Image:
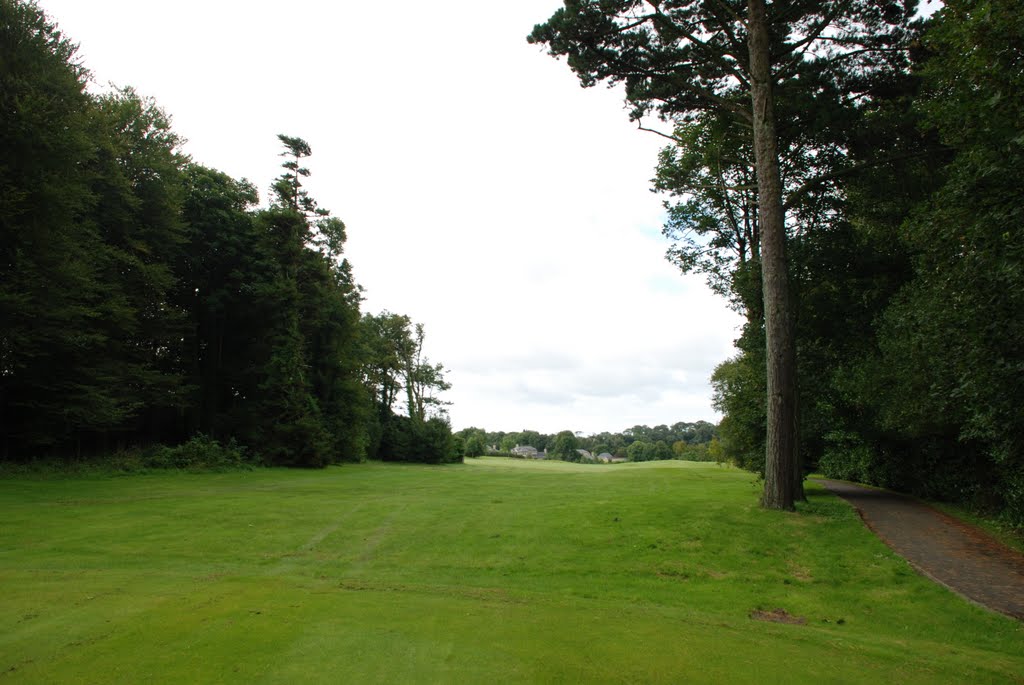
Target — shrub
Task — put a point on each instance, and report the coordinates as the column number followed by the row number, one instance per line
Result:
column 201, row 452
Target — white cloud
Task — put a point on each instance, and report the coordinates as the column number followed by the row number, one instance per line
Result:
column 486, row 195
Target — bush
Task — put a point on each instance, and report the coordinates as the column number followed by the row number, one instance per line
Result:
column 200, row 453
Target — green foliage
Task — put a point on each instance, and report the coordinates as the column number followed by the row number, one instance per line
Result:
column 458, row 447
column 475, row 444
column 387, row 342
column 649, row 452
column 962, row 312
column 138, row 191
column 640, row 451
column 847, row 457
column 394, row 362
column 714, row 223
column 199, row 453
column 708, row 451
column 428, row 442
column 929, row 400
column 54, row 306
column 311, row 409
column 564, row 447
column 475, row 447
column 288, row 188
column 739, row 391
column 91, row 234
column 222, row 277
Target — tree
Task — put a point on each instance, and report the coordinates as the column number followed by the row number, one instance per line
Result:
column 475, row 446
column 311, row 399
column 393, row 364
column 640, row 451
column 685, row 58
column 739, row 394
column 387, row 341
column 662, row 451
column 221, row 269
column 564, row 447
column 713, row 225
column 53, row 367
column 423, row 380
column 290, row 429
column 288, row 186
column 138, row 190
column 474, row 442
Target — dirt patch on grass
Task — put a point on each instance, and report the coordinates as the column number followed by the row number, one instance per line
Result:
column 777, row 616
column 799, row 572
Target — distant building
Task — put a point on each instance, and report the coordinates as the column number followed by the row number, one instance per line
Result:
column 526, row 452
column 609, row 459
column 585, row 454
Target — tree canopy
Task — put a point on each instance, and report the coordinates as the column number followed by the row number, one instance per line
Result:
column 146, row 299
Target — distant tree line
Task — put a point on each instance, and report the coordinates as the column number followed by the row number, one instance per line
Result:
column 697, row 441
column 900, row 159
column 146, row 299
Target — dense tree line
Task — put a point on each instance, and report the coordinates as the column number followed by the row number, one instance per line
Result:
column 900, row 165
column 695, row 441
column 145, row 298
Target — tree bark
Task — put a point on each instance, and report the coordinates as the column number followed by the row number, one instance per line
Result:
column 780, row 453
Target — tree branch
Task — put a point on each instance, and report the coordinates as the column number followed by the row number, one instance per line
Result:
column 675, row 140
column 735, row 15
column 709, row 53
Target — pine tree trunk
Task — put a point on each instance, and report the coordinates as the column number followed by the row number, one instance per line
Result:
column 798, row 460
column 780, row 455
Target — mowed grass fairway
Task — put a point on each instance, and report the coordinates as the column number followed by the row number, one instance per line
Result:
column 494, row 571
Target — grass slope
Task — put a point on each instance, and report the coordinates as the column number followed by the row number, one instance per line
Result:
column 493, row 571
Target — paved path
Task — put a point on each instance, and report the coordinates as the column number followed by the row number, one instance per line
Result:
column 958, row 555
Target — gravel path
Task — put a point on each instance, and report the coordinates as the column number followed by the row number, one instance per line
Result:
column 958, row 555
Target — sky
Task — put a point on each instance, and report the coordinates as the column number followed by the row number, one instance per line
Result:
column 485, row 193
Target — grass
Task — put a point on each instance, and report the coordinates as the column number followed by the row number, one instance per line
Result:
column 494, row 571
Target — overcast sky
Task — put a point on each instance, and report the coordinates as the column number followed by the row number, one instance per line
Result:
column 486, row 194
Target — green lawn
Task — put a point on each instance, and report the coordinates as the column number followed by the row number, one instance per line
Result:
column 494, row 571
